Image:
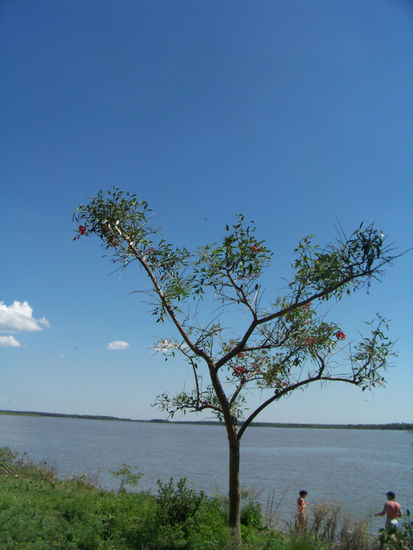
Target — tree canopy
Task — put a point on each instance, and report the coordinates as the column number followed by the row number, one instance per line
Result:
column 285, row 343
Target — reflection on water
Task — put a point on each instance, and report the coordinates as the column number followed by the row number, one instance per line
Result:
column 353, row 468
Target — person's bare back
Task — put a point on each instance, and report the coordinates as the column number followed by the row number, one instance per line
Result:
column 392, row 510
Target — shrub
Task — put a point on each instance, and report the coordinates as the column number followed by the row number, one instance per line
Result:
column 251, row 515
column 177, row 504
column 400, row 538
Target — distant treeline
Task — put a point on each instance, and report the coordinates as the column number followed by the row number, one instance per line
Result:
column 64, row 415
column 391, row 426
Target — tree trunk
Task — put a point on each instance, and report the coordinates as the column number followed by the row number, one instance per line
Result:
column 234, row 492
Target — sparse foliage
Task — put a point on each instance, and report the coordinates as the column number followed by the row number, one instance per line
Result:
column 127, row 477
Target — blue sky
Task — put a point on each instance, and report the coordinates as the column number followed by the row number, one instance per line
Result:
column 297, row 114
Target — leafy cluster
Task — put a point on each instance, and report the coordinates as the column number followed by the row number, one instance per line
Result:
column 232, row 266
column 122, row 223
column 342, row 266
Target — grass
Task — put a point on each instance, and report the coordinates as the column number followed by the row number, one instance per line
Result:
column 38, row 511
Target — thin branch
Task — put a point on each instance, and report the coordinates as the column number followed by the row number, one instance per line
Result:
column 240, row 292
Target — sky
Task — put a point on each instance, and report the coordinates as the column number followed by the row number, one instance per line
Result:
column 297, row 114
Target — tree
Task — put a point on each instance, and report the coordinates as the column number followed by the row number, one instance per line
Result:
column 286, row 342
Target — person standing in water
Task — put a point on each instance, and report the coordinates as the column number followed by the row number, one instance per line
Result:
column 392, row 510
column 302, row 512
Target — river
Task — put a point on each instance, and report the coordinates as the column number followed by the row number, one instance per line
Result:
column 352, row 468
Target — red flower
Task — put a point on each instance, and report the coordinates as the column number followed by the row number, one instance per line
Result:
column 239, row 371
column 309, row 341
column 241, row 355
column 340, row 335
column 82, row 229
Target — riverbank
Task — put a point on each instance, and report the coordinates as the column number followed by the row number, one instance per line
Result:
column 389, row 426
column 38, row 511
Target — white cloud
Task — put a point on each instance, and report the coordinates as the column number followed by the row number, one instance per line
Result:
column 117, row 344
column 9, row 342
column 19, row 317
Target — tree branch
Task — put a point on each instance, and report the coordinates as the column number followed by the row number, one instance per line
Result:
column 142, row 260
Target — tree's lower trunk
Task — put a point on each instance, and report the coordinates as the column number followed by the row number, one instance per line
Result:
column 234, row 493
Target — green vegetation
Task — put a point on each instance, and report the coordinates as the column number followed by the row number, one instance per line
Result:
column 40, row 512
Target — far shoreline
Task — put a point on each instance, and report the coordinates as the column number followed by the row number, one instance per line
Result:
column 389, row 426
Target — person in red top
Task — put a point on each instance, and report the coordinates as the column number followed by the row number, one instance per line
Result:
column 302, row 512
column 391, row 510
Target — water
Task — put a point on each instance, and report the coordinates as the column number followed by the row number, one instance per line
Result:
column 352, row 468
